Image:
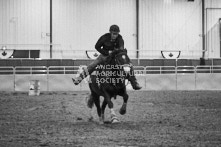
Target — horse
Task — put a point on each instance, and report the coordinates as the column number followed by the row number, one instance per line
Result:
column 109, row 81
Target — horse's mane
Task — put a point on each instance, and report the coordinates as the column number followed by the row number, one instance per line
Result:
column 110, row 59
column 113, row 73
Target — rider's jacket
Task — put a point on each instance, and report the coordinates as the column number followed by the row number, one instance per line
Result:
column 105, row 44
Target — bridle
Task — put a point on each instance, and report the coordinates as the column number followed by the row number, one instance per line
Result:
column 124, row 65
column 118, row 62
column 115, row 58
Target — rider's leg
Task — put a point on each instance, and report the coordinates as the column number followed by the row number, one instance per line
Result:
column 90, row 68
column 133, row 79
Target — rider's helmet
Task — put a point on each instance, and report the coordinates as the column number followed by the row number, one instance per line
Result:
column 114, row 28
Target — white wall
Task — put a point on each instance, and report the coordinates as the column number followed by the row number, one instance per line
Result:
column 212, row 15
column 174, row 25
column 24, row 22
column 78, row 24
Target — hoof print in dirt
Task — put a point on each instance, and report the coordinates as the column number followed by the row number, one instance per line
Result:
column 79, row 118
column 107, row 122
column 179, row 126
column 44, row 144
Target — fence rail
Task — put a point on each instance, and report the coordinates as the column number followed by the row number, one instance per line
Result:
column 138, row 70
column 149, row 77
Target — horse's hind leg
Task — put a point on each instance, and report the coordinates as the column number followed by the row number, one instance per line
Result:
column 90, row 101
column 90, row 104
column 104, row 104
column 94, row 99
column 123, row 108
column 99, row 112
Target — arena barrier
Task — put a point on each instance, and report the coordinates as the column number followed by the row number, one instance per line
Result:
column 150, row 78
column 24, row 74
column 185, row 82
column 7, row 79
column 61, row 83
column 160, row 82
column 206, row 81
column 7, row 83
column 22, row 82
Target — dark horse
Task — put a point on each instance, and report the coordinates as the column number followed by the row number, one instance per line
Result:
column 109, row 81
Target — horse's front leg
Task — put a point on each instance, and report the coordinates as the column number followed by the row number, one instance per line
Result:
column 110, row 104
column 123, row 108
column 114, row 118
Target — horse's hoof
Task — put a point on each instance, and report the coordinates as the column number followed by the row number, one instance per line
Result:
column 114, row 120
column 122, row 111
column 101, row 122
column 90, row 119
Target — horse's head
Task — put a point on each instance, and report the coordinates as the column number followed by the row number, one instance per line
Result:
column 120, row 57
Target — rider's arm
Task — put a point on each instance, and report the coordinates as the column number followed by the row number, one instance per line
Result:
column 121, row 43
column 99, row 44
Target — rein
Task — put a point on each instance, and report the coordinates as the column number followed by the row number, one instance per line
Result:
column 119, row 79
column 118, row 63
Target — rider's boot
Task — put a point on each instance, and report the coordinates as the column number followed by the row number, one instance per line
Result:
column 86, row 71
column 133, row 80
column 77, row 80
column 134, row 83
column 91, row 67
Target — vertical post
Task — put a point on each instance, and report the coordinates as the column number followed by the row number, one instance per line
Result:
column 220, row 35
column 51, row 29
column 203, row 29
column 14, row 68
column 137, row 28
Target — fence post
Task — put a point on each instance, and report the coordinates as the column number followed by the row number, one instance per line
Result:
column 47, row 78
column 14, row 77
column 195, row 68
column 176, row 72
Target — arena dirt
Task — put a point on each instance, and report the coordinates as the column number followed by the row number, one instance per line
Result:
column 153, row 118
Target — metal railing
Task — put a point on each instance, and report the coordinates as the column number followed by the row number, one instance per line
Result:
column 31, row 70
column 7, row 70
column 185, row 69
column 160, row 69
column 138, row 70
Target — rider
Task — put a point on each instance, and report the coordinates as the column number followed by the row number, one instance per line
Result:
column 105, row 45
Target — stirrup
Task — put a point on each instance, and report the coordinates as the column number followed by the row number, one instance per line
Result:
column 136, row 86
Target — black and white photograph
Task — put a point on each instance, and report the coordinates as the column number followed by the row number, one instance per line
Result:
column 110, row 73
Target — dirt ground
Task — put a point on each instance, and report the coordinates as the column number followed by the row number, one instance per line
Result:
column 153, row 118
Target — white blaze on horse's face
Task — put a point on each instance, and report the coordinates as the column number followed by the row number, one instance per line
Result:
column 124, row 57
column 126, row 68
